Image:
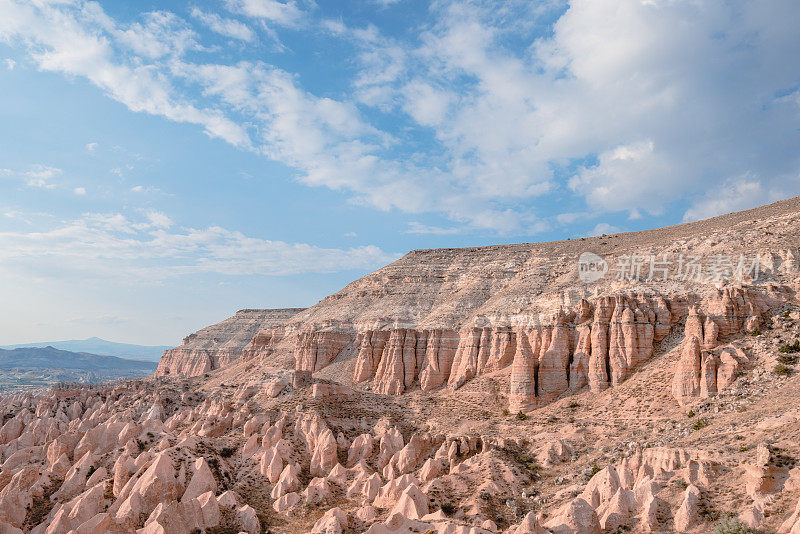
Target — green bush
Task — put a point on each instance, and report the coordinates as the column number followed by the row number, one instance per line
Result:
column 690, row 414
column 521, row 416
column 227, row 452
column 731, row 525
column 755, row 332
column 506, row 413
column 700, row 423
column 790, row 349
column 787, row 359
column 594, row 470
column 782, row 370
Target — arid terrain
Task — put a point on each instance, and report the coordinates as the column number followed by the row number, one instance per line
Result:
column 475, row 390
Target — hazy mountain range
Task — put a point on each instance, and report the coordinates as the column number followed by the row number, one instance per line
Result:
column 43, row 366
column 95, row 345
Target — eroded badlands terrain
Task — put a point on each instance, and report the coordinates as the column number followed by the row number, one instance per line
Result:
column 454, row 391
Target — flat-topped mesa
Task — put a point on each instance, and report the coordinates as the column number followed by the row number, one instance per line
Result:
column 221, row 344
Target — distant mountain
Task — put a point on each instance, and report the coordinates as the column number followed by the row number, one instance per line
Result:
column 43, row 366
column 95, row 345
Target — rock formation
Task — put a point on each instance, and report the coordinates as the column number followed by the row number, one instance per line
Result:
column 218, row 345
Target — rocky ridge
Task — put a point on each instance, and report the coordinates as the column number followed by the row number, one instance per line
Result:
column 221, row 344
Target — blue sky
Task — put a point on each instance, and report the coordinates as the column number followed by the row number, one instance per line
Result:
column 163, row 164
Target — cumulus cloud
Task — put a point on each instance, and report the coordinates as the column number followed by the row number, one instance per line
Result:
column 80, row 191
column 10, row 63
column 738, row 194
column 151, row 249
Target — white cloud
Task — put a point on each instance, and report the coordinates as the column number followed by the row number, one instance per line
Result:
column 161, row 34
column 224, row 26
column 10, row 63
column 734, row 195
column 37, row 175
column 283, row 13
column 145, row 189
column 627, row 177
column 603, row 229
column 80, row 191
column 91, row 147
column 79, row 43
column 628, row 105
column 149, row 250
column 415, row 227
column 158, row 219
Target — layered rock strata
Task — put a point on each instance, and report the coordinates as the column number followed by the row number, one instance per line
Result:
column 221, row 344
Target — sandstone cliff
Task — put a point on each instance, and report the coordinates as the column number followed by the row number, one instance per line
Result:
column 218, row 345
column 441, row 317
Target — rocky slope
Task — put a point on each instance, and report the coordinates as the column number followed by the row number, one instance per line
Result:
column 455, row 391
column 218, row 345
column 439, row 318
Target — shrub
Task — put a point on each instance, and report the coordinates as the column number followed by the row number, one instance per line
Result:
column 227, row 452
column 506, row 413
column 521, row 416
column 448, row 508
column 90, row 471
column 529, row 462
column 594, row 470
column 680, row 483
column 782, row 370
column 731, row 525
column 755, row 332
column 787, row 359
column 790, row 349
column 690, row 414
column 700, row 423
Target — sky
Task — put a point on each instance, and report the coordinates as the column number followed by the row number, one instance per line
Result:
column 164, row 163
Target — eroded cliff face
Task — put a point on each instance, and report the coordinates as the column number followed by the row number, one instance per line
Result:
column 221, row 344
column 440, row 318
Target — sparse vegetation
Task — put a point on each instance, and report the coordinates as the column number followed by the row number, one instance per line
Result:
column 227, row 452
column 782, row 370
column 681, row 484
column 700, row 423
column 594, row 470
column 690, row 414
column 755, row 332
column 506, row 413
column 521, row 416
column 731, row 525
column 90, row 471
column 787, row 359
column 529, row 462
column 448, row 508
column 792, row 348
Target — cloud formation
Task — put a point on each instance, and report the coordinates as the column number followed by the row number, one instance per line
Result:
column 487, row 113
column 150, row 249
